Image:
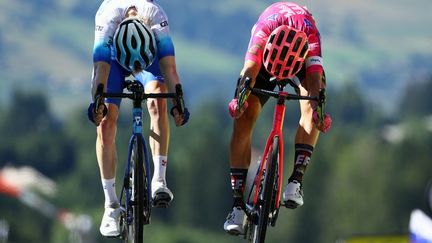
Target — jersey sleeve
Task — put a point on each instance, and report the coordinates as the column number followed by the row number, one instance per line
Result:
column 259, row 36
column 314, row 60
column 106, row 20
column 160, row 27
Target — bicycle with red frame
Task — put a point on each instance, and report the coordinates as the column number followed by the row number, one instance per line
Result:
column 263, row 199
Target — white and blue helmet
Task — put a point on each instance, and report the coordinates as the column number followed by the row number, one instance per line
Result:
column 134, row 44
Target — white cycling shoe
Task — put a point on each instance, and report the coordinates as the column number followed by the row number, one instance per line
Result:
column 235, row 222
column 161, row 195
column 110, row 225
column 293, row 195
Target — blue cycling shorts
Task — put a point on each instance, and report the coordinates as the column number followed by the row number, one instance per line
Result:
column 117, row 75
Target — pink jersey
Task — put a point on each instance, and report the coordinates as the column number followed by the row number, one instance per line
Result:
column 291, row 14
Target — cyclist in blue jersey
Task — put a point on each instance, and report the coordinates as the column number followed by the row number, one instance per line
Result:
column 132, row 38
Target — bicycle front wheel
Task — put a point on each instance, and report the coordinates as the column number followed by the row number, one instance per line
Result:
column 267, row 193
column 137, row 180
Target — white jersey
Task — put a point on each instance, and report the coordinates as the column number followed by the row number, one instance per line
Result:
column 112, row 12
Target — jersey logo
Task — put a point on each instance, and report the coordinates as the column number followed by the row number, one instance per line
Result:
column 138, row 121
column 272, row 17
column 313, row 46
column 307, row 23
column 164, row 24
column 315, row 60
column 99, row 28
column 302, row 160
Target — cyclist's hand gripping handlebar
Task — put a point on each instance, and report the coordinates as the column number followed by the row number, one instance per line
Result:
column 321, row 119
column 179, row 111
column 321, row 104
column 239, row 104
column 243, row 93
column 97, row 110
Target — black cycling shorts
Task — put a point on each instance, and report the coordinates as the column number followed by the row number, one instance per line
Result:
column 263, row 82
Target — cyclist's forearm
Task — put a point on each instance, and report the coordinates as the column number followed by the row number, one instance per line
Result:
column 313, row 83
column 169, row 71
column 100, row 75
column 251, row 70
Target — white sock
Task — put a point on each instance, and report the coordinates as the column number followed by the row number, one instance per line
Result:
column 160, row 164
column 109, row 190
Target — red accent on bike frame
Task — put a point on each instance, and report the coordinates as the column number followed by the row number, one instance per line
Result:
column 278, row 119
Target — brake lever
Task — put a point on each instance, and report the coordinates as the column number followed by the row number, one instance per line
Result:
column 179, row 99
column 322, row 97
column 98, row 96
column 242, row 92
column 321, row 103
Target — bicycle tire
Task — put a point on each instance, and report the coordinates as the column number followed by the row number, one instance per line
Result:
column 267, row 193
column 136, row 229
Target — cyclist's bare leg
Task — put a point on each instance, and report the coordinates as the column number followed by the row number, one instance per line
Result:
column 307, row 132
column 240, row 153
column 159, row 141
column 305, row 141
column 240, row 156
column 241, row 139
column 106, row 154
column 106, row 151
column 159, row 126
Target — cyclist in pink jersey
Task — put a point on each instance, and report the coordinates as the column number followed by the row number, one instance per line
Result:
column 285, row 44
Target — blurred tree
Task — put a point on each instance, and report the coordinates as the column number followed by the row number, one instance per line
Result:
column 417, row 98
column 199, row 167
column 34, row 137
column 349, row 106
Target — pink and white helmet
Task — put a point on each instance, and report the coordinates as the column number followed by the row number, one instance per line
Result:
column 285, row 52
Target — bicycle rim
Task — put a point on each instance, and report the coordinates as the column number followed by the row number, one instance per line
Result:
column 266, row 194
column 136, row 229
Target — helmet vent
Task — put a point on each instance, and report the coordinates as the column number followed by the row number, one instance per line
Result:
column 304, row 50
column 290, row 36
column 266, row 52
column 134, row 43
column 278, row 68
column 270, row 66
column 273, row 55
column 297, row 44
column 290, row 60
column 126, row 51
column 271, row 39
column 280, row 38
column 296, row 66
column 283, row 53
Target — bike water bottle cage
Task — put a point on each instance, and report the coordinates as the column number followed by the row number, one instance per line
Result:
column 134, row 44
column 285, row 52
